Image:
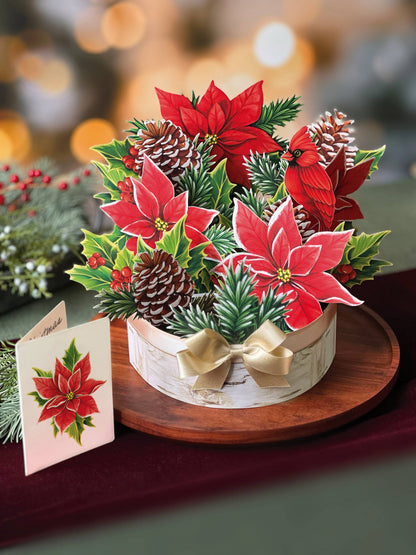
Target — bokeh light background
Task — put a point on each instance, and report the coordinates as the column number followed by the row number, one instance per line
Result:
column 73, row 71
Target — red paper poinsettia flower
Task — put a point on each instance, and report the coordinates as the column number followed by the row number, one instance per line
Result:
column 345, row 182
column 68, row 393
column 226, row 124
column 279, row 260
column 157, row 210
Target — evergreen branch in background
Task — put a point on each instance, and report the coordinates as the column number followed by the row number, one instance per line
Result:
column 10, row 419
column 197, row 181
column 222, row 238
column 116, row 304
column 278, row 114
column 266, row 172
column 187, row 321
column 253, row 201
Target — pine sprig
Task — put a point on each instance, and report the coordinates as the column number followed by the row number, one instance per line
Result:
column 272, row 307
column 187, row 321
column 204, row 301
column 197, row 181
column 235, row 304
column 266, row 173
column 222, row 238
column 278, row 114
column 253, row 201
column 136, row 127
column 10, row 420
column 117, row 304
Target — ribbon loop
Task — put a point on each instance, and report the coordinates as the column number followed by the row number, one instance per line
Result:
column 209, row 355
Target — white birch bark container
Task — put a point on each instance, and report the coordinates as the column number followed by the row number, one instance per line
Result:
column 152, row 353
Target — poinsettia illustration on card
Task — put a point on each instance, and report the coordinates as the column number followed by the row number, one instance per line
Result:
column 65, row 390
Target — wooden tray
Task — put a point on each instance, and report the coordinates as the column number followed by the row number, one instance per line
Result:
column 362, row 374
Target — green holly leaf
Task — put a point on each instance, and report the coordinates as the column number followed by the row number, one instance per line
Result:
column 38, row 398
column 221, row 186
column 280, row 193
column 75, row 429
column 104, row 197
column 71, row 357
column 176, row 243
column 54, row 427
column 88, row 422
column 196, row 262
column 116, row 237
column 142, row 246
column 111, row 177
column 362, row 155
column 42, row 373
column 203, row 282
column 101, row 244
column 124, row 258
column 114, row 152
column 368, row 272
column 96, row 280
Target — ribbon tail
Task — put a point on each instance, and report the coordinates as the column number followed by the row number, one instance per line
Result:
column 214, row 379
column 267, row 380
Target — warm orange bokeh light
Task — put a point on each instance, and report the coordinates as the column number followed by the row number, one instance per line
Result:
column 87, row 31
column 123, row 25
column 55, row 76
column 17, row 143
column 89, row 133
column 11, row 48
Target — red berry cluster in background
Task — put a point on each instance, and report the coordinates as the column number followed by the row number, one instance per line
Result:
column 130, row 160
column 126, row 190
column 95, row 260
column 345, row 273
column 121, row 278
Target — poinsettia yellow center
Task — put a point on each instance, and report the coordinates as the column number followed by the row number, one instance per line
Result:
column 161, row 225
column 70, row 396
column 284, row 275
column 212, row 139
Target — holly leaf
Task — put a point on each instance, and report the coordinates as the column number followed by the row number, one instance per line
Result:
column 111, row 177
column 362, row 155
column 368, row 272
column 116, row 237
column 281, row 193
column 54, row 427
column 38, row 398
column 203, row 282
column 88, row 422
column 42, row 373
column 176, row 243
column 71, row 357
column 124, row 258
column 142, row 246
column 104, row 197
column 99, row 243
column 221, row 186
column 114, row 152
column 75, row 429
column 196, row 262
column 96, row 280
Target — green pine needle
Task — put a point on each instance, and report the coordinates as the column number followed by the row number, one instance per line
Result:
column 278, row 114
column 187, row 321
column 222, row 238
column 253, row 201
column 272, row 307
column 10, row 420
column 266, row 173
column 117, row 304
column 198, row 182
column 136, row 127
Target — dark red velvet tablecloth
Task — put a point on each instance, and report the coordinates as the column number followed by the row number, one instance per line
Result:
column 138, row 472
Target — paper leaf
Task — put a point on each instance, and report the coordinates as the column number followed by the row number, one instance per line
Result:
column 142, row 246
column 203, row 282
column 88, row 422
column 116, row 237
column 75, row 430
column 368, row 272
column 42, row 373
column 196, row 262
column 281, row 193
column 101, row 244
column 96, row 280
column 71, row 357
column 37, row 397
column 104, row 197
column 111, row 177
column 362, row 155
column 221, row 186
column 124, row 258
column 176, row 243
column 114, row 152
column 54, row 428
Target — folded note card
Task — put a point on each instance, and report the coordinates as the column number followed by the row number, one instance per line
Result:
column 65, row 389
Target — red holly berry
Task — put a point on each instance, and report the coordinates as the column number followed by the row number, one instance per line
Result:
column 120, row 185
column 116, row 285
column 76, row 180
column 30, row 173
column 22, row 186
column 86, row 172
column 31, row 213
column 36, row 173
column 46, row 179
column 136, row 168
column 343, row 278
column 347, row 268
column 126, row 272
column 126, row 159
column 14, row 178
column 1, row 185
column 63, row 185
column 96, row 254
column 353, row 275
column 100, row 261
column 129, row 164
column 24, row 197
column 92, row 261
column 11, row 207
column 116, row 274
column 133, row 151
column 2, row 200
column 6, row 167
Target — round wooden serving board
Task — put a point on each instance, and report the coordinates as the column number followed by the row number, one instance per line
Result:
column 362, row 374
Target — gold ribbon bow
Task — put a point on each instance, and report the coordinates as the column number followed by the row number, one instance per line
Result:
column 209, row 355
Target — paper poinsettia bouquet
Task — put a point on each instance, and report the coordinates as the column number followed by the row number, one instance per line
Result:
column 222, row 224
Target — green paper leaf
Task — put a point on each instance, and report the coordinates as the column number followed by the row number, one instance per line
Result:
column 114, row 152
column 42, row 373
column 221, row 186
column 111, row 177
column 116, row 237
column 38, row 398
column 97, row 279
column 75, row 429
column 99, row 243
column 202, row 282
column 71, row 357
column 196, row 261
column 281, row 193
column 124, row 258
column 368, row 272
column 54, row 427
column 142, row 246
column 176, row 243
column 88, row 422
column 104, row 197
column 362, row 155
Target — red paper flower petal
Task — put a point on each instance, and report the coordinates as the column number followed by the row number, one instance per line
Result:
column 46, row 387
column 131, row 244
column 250, row 231
column 74, row 382
column 348, row 213
column 354, row 178
column 327, row 289
column 90, row 386
column 144, row 227
column 200, row 218
column 303, row 308
column 63, row 384
column 216, row 119
column 261, row 267
column 212, row 96
column 147, row 203
column 84, row 366
column 303, row 259
column 60, row 369
column 194, row 122
column 64, row 419
column 50, row 412
column 283, row 218
column 234, row 138
column 197, row 238
column 56, row 402
column 280, row 249
column 121, row 212
column 155, row 181
column 73, row 404
column 246, row 107
column 170, row 104
column 175, row 208
column 87, row 406
column 333, row 245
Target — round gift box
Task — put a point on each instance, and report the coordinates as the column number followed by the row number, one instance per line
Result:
column 152, row 352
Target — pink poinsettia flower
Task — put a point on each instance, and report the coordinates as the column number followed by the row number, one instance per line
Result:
column 157, row 210
column 279, row 260
column 228, row 125
column 68, row 393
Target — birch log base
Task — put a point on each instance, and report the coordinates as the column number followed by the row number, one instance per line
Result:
column 361, row 375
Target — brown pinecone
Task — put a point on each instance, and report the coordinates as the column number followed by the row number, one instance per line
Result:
column 332, row 133
column 169, row 148
column 306, row 222
column 159, row 284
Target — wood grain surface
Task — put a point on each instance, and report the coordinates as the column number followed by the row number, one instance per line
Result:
column 362, row 374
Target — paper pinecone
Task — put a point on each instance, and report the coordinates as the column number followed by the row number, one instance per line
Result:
column 331, row 133
column 306, row 222
column 169, row 148
column 159, row 284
